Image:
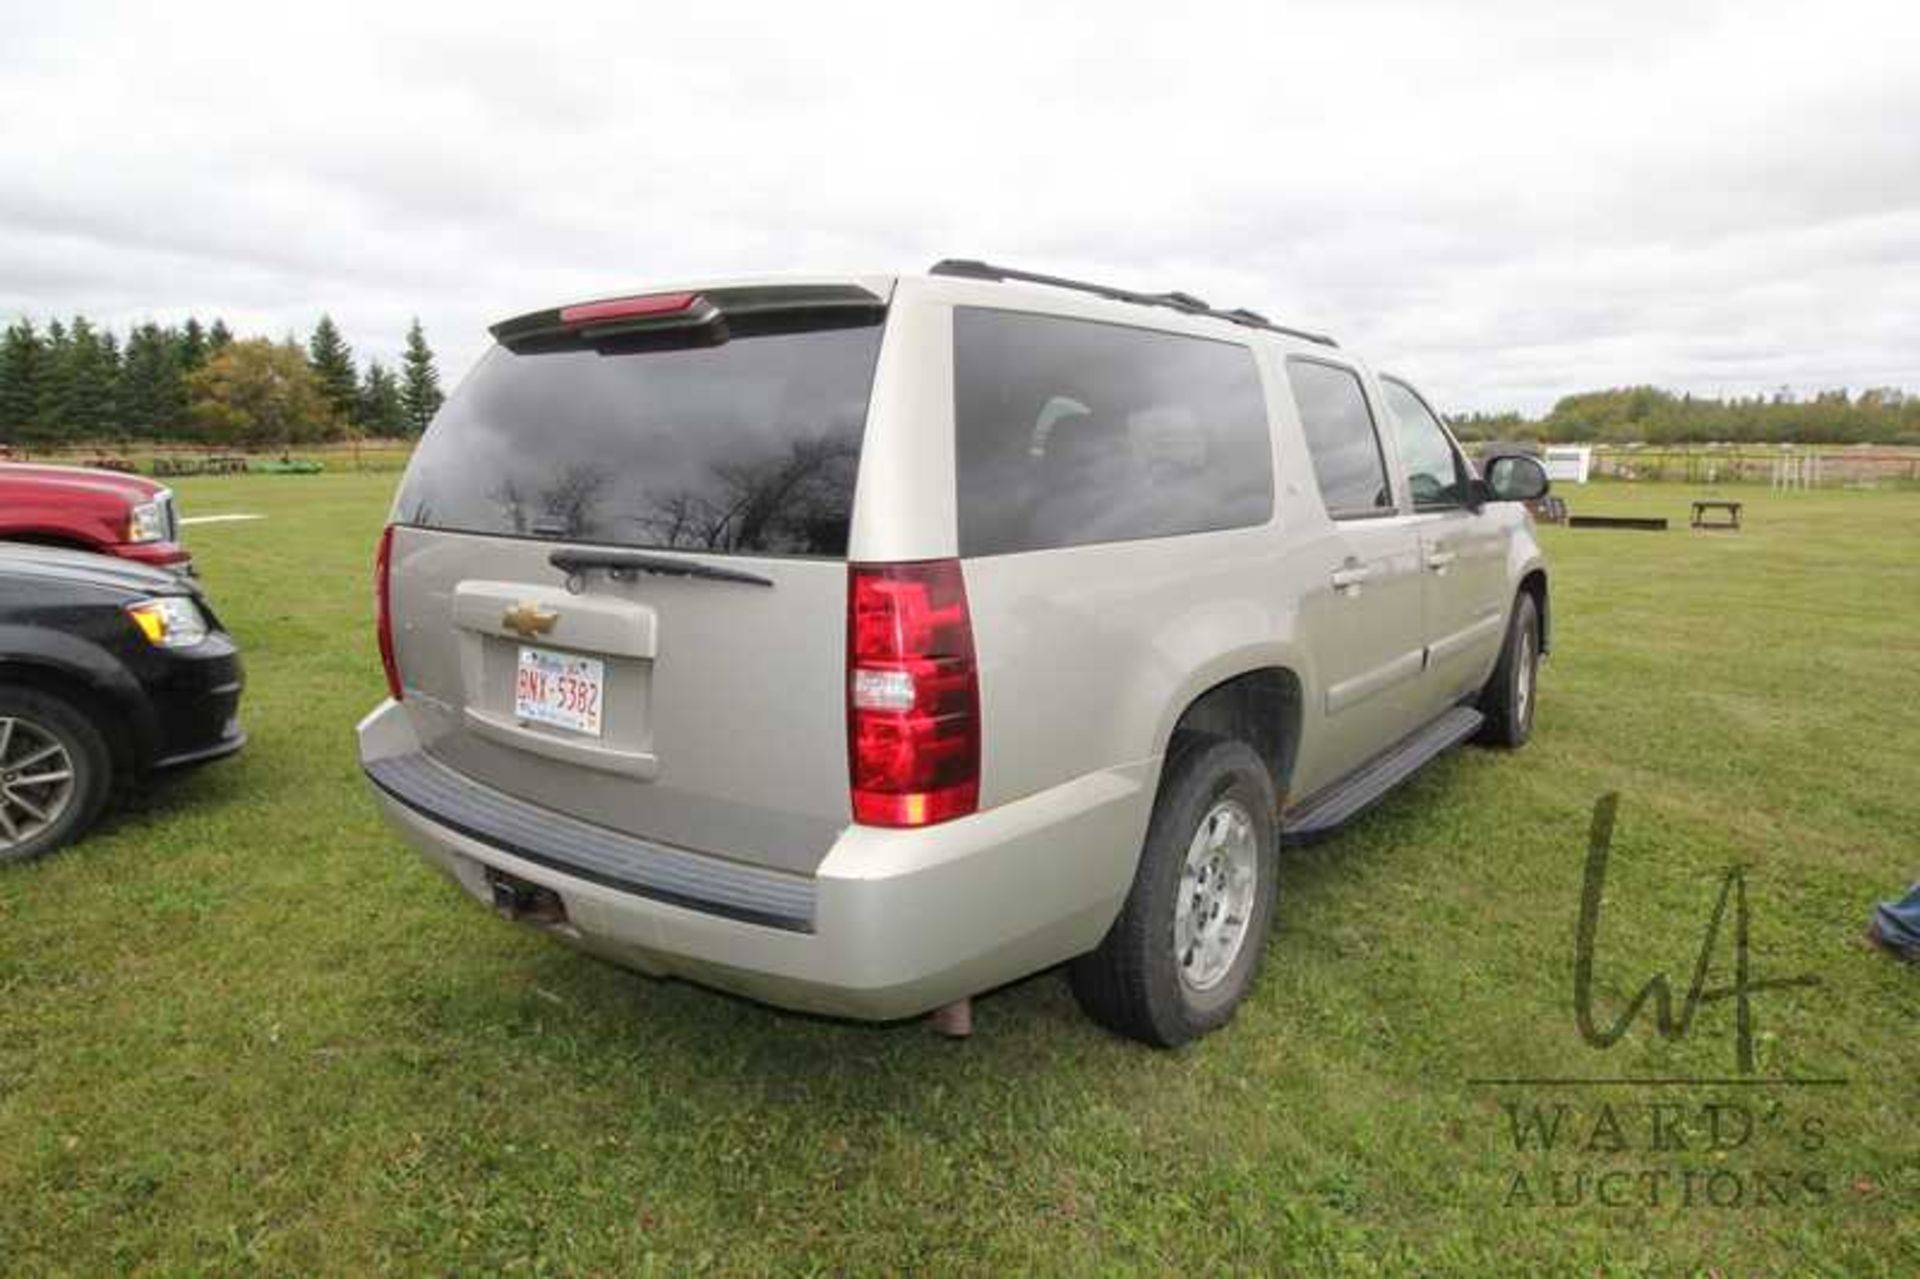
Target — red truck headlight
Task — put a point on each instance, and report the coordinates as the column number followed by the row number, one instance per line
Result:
column 147, row 522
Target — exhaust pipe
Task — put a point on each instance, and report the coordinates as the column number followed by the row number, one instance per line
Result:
column 954, row 1020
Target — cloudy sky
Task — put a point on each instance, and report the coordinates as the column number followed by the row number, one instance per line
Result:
column 1507, row 202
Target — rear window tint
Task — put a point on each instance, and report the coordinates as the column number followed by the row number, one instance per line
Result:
column 1069, row 432
column 749, row 447
column 1341, row 438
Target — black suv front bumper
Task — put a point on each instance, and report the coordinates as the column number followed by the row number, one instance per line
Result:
column 194, row 696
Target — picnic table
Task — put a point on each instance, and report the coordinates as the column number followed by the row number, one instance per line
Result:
column 1730, row 512
column 207, row 464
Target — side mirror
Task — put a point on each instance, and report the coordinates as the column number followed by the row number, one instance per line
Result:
column 1514, row 477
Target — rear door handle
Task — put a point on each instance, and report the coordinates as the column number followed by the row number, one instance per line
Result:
column 1349, row 578
column 1439, row 560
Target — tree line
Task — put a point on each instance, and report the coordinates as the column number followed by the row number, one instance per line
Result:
column 1647, row 414
column 75, row 382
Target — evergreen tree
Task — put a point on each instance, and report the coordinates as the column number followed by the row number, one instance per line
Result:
column 51, row 389
column 180, row 349
column 152, row 395
column 331, row 360
column 219, row 336
column 84, row 374
column 22, row 368
column 110, row 423
column 419, row 381
column 51, row 410
column 58, row 342
column 191, row 345
column 381, row 409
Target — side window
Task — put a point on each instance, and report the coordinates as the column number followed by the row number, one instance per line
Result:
column 1434, row 470
column 1341, row 438
column 1068, row 432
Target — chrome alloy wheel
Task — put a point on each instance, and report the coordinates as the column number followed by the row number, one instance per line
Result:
column 1218, row 886
column 36, row 780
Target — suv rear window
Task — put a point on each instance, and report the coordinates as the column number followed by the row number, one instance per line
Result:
column 1069, row 432
column 1341, row 438
column 747, row 447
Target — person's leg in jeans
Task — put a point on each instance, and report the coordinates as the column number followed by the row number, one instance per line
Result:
column 1896, row 925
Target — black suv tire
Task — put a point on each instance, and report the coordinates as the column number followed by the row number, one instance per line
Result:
column 1133, row 983
column 53, row 719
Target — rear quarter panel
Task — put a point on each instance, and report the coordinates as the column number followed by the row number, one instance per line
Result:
column 1089, row 655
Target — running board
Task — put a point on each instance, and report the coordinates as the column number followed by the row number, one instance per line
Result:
column 1365, row 786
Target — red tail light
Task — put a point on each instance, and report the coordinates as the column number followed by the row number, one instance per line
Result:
column 913, row 694
column 383, row 611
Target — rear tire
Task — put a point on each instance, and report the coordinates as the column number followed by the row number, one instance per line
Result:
column 1510, row 695
column 1187, row 945
column 55, row 773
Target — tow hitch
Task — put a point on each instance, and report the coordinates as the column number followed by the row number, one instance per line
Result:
column 524, row 902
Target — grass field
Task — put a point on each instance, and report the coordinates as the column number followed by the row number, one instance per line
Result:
column 245, row 1032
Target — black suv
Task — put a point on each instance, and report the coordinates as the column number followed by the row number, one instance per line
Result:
column 109, row 671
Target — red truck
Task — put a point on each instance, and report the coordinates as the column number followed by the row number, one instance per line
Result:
column 103, row 511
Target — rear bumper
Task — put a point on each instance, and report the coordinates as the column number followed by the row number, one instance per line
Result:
column 894, row 922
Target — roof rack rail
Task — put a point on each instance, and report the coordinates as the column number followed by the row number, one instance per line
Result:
column 1186, row 303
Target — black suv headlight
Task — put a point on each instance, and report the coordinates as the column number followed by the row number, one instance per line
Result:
column 169, row 621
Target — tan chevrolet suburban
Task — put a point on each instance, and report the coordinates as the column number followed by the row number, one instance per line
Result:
column 862, row 644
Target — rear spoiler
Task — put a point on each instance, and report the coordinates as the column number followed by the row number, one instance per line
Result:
column 704, row 317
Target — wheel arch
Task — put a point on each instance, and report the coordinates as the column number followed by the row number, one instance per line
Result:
column 91, row 682
column 1261, row 705
column 1534, row 582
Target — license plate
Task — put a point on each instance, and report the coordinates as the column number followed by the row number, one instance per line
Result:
column 561, row 689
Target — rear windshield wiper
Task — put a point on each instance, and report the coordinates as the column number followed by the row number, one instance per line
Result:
column 621, row 565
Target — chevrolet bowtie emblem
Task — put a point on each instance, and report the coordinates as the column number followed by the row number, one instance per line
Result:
column 529, row 620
